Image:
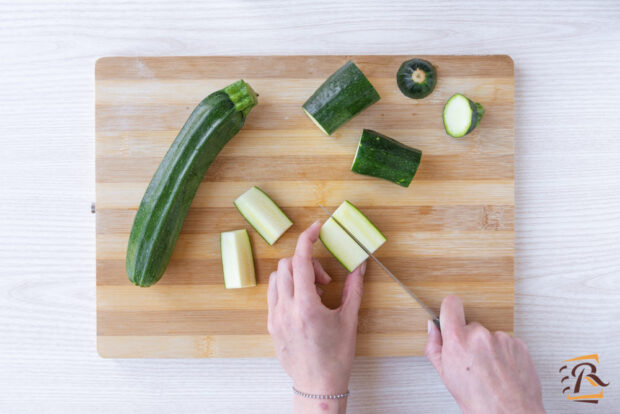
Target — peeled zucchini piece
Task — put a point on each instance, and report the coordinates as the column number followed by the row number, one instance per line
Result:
column 461, row 115
column 341, row 245
column 237, row 259
column 416, row 78
column 359, row 226
column 263, row 214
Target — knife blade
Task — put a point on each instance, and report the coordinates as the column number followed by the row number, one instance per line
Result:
column 428, row 310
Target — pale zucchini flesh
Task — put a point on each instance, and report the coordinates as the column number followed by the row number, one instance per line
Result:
column 461, row 115
column 263, row 214
column 359, row 226
column 341, row 245
column 237, row 259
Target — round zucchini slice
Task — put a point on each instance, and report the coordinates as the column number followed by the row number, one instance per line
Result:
column 461, row 115
column 416, row 78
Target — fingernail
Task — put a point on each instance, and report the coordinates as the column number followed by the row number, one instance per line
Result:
column 363, row 269
column 429, row 326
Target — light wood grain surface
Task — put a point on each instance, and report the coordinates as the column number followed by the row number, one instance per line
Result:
column 135, row 97
column 567, row 223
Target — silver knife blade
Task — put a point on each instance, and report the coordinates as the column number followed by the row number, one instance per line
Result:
column 385, row 269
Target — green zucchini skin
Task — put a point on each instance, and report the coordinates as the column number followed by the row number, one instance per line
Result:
column 346, row 93
column 161, row 214
column 383, row 157
column 416, row 78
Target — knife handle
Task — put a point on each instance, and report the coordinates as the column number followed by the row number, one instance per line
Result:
column 436, row 322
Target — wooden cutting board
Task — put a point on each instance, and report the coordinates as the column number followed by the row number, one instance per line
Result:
column 450, row 232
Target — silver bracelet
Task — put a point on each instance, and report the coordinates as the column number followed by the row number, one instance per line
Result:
column 321, row 397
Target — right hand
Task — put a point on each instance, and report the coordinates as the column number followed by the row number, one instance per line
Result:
column 485, row 372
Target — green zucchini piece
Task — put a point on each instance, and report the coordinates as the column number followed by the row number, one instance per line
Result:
column 343, row 95
column 461, row 115
column 237, row 259
column 416, row 78
column 383, row 157
column 161, row 214
column 341, row 245
column 263, row 214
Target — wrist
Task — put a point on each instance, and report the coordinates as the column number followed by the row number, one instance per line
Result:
column 514, row 407
column 537, row 409
column 326, row 387
column 305, row 405
column 524, row 406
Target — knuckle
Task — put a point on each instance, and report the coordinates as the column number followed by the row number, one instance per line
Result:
column 307, row 309
column 501, row 336
column 474, row 327
column 296, row 260
column 271, row 325
column 427, row 352
column 480, row 334
column 520, row 342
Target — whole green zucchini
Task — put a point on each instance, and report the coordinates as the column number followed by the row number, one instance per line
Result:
column 166, row 201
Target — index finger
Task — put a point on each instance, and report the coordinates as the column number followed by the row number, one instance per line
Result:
column 452, row 316
column 303, row 269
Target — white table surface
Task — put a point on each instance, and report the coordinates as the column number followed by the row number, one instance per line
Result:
column 567, row 165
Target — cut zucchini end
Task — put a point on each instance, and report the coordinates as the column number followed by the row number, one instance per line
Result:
column 418, row 76
column 457, row 116
column 315, row 121
column 237, row 259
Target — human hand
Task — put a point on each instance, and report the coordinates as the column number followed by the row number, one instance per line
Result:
column 315, row 344
column 485, row 372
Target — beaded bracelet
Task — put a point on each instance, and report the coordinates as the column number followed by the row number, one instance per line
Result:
column 321, row 397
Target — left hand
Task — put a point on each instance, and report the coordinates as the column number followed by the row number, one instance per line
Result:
column 315, row 344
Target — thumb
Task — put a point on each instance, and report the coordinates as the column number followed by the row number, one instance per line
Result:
column 433, row 346
column 352, row 291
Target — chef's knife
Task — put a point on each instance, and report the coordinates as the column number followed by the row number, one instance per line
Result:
column 385, row 269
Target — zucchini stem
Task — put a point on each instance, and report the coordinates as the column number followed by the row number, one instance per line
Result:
column 242, row 95
column 418, row 76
